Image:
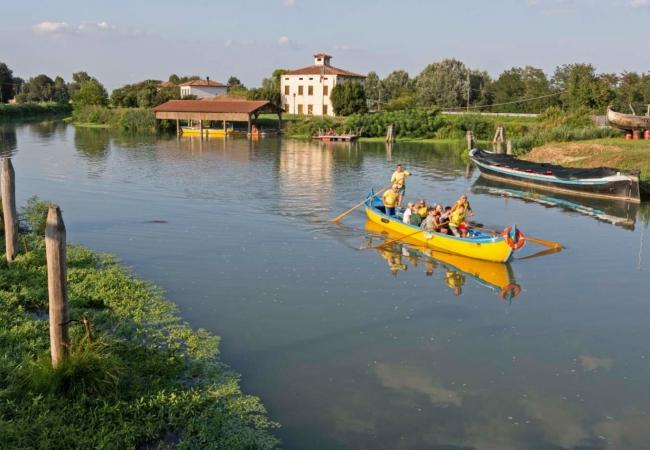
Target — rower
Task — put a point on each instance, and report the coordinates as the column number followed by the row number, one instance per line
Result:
column 399, row 178
column 390, row 199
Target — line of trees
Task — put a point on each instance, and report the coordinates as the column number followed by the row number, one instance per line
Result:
column 82, row 90
column 449, row 83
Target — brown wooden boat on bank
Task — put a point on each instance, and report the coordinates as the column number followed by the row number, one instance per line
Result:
column 627, row 122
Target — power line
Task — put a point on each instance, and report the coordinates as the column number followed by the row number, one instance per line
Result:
column 504, row 103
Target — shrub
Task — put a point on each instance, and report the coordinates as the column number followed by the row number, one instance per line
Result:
column 139, row 120
column 413, row 123
column 34, row 215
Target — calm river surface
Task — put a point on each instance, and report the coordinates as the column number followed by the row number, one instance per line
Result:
column 368, row 349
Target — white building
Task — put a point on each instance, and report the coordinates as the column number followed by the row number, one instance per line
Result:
column 203, row 88
column 307, row 91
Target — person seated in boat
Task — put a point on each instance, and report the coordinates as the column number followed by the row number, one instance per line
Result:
column 456, row 218
column 430, row 223
column 389, row 199
column 406, row 217
column 423, row 209
column 443, row 220
column 399, row 178
column 415, row 217
column 331, row 132
column 464, row 202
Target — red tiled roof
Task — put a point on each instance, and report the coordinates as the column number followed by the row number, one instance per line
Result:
column 210, row 83
column 212, row 106
column 324, row 70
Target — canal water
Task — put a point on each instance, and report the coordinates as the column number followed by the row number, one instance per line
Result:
column 377, row 348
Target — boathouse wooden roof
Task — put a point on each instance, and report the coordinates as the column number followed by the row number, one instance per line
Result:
column 231, row 110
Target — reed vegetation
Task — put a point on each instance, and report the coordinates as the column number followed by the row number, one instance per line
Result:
column 32, row 109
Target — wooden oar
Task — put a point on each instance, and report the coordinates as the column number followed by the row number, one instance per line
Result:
column 342, row 215
column 534, row 240
column 390, row 241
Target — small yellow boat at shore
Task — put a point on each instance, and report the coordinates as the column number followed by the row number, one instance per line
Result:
column 477, row 244
column 212, row 132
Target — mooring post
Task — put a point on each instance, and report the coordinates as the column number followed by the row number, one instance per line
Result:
column 57, row 288
column 178, row 127
column 390, row 133
column 470, row 139
column 508, row 147
column 9, row 209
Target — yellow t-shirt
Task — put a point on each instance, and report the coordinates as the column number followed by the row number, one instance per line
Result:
column 390, row 198
column 398, row 178
column 423, row 211
column 457, row 217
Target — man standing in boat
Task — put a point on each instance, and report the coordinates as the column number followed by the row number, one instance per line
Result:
column 399, row 178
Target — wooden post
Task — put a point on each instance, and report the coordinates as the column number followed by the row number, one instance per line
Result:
column 178, row 127
column 55, row 252
column 201, row 128
column 508, row 147
column 9, row 208
column 390, row 133
column 249, row 125
column 470, row 139
column 648, row 112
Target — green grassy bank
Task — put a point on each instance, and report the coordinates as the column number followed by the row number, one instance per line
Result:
column 30, row 110
column 147, row 380
column 611, row 152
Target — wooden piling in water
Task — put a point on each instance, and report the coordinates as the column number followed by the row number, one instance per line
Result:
column 390, row 133
column 9, row 209
column 470, row 139
column 55, row 251
column 508, row 147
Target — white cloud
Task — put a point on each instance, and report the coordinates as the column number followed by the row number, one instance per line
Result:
column 639, row 3
column 52, row 28
column 61, row 28
column 284, row 40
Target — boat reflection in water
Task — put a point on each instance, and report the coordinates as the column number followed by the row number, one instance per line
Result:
column 616, row 212
column 400, row 255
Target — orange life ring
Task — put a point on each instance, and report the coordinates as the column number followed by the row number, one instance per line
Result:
column 518, row 241
column 510, row 291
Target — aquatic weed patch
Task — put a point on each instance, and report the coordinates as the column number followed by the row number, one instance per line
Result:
column 147, row 380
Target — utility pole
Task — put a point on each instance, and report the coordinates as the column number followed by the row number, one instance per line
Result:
column 469, row 89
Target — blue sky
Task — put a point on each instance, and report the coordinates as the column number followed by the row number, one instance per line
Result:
column 126, row 41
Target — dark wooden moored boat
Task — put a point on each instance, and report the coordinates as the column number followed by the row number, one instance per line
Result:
column 600, row 182
column 627, row 122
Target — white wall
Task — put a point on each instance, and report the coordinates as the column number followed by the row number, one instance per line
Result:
column 203, row 91
column 317, row 100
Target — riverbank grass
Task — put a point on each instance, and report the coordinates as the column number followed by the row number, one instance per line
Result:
column 145, row 380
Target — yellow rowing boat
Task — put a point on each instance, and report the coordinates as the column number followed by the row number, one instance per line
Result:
column 478, row 244
column 494, row 274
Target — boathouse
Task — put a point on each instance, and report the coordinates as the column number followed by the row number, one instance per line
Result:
column 198, row 111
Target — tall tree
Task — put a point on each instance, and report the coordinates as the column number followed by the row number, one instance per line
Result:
column 349, row 97
column 580, row 87
column 443, row 84
column 6, row 83
column 517, row 84
column 60, row 94
column 397, row 83
column 37, row 89
column 234, row 83
column 90, row 92
column 373, row 91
